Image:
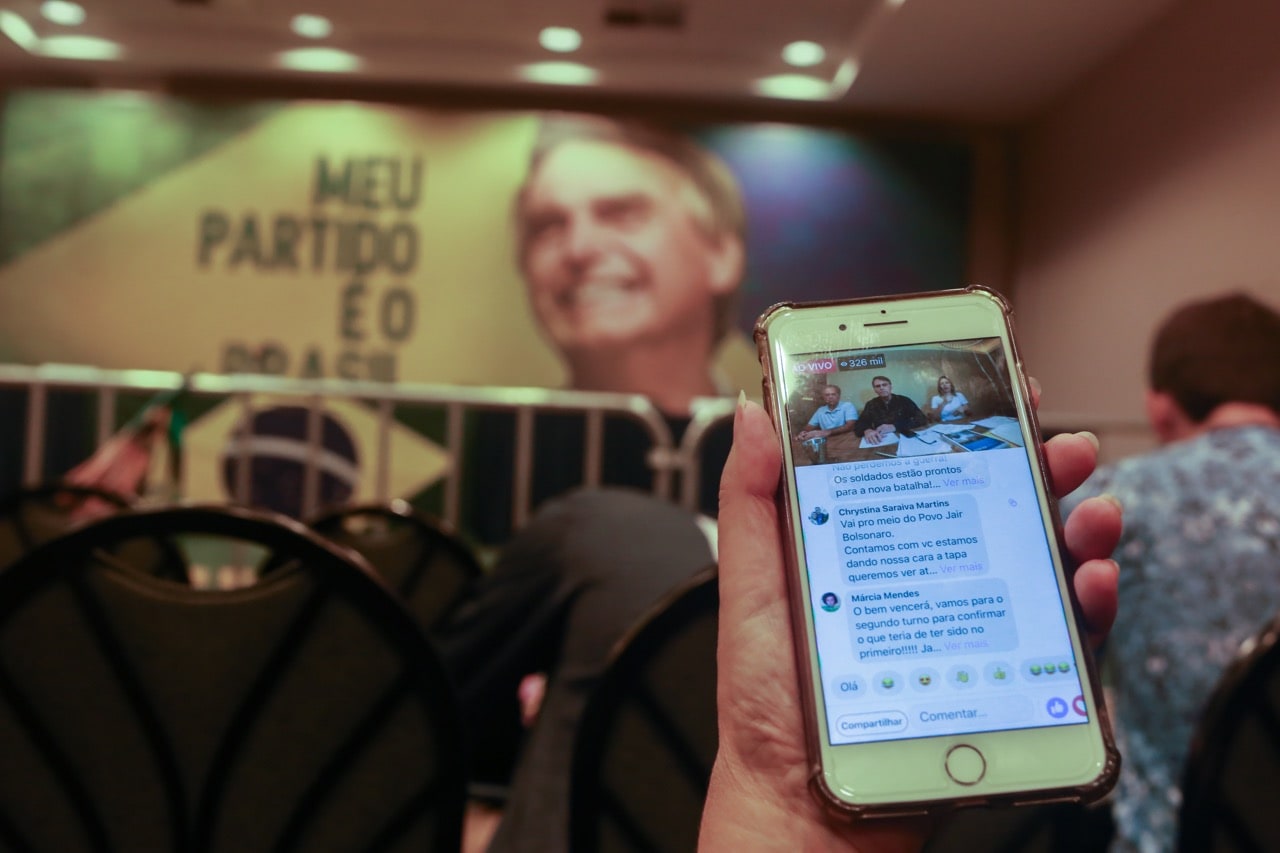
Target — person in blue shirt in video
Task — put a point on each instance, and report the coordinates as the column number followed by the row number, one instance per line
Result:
column 835, row 417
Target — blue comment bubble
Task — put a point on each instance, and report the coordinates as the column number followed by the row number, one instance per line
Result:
column 919, row 622
column 921, row 538
column 905, row 478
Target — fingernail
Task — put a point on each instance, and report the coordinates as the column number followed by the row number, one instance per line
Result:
column 737, row 413
column 1035, row 385
column 1091, row 438
column 742, row 399
column 1112, row 499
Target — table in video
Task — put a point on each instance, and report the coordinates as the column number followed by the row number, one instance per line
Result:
column 985, row 434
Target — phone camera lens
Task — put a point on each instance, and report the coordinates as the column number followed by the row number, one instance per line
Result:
column 843, row 327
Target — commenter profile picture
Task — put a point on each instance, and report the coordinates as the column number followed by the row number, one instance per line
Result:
column 830, row 602
column 819, row 515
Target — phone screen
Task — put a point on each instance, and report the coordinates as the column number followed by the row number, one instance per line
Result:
column 935, row 603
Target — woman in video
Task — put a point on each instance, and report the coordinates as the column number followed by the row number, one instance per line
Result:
column 948, row 405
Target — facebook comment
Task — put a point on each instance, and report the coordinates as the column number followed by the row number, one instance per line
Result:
column 925, row 537
column 910, row 477
column 907, row 622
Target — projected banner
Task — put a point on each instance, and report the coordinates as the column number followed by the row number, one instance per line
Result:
column 364, row 241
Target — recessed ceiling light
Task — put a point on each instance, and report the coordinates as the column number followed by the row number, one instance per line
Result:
column 844, row 77
column 803, row 54
column 79, row 47
column 322, row 59
column 560, row 73
column 63, row 12
column 800, row 87
column 18, row 30
column 560, row 39
column 312, row 26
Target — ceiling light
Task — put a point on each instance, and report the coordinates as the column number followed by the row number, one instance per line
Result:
column 844, row 77
column 78, row 47
column 800, row 87
column 560, row 39
column 311, row 26
column 559, row 73
column 18, row 30
column 63, row 12
column 322, row 59
column 803, row 54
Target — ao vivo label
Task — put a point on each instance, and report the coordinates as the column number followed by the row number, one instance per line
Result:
column 818, row 365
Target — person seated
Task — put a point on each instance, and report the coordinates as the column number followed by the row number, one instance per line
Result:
column 1199, row 547
column 948, row 405
column 835, row 417
column 887, row 414
column 563, row 590
column 759, row 797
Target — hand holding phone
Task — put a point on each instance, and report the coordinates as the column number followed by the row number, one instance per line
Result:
column 759, row 796
column 953, row 670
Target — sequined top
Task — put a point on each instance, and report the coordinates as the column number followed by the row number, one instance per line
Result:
column 1199, row 573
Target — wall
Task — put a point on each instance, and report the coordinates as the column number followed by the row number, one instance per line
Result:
column 1155, row 181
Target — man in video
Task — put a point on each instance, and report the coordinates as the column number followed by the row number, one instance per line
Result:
column 835, row 417
column 887, row 413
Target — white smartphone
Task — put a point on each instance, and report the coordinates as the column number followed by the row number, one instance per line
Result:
column 941, row 656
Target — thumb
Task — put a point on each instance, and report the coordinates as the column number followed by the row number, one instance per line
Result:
column 752, row 577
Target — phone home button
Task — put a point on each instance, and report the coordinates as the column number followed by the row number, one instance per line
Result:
column 965, row 764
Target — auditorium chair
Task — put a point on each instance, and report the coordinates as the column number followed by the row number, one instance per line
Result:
column 1233, row 766
column 34, row 515
column 647, row 739
column 303, row 712
column 1051, row 828
column 420, row 557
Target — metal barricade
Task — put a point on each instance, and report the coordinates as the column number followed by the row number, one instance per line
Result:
column 675, row 467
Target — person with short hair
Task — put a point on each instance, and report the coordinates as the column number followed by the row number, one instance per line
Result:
column 631, row 240
column 630, row 237
column 833, row 418
column 1198, row 555
column 887, row 413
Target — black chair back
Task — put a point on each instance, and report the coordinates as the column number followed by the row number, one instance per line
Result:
column 32, row 516
column 648, row 737
column 1052, row 828
column 305, row 712
column 1233, row 766
column 420, row 557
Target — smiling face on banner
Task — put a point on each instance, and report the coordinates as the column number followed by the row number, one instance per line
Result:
column 618, row 250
